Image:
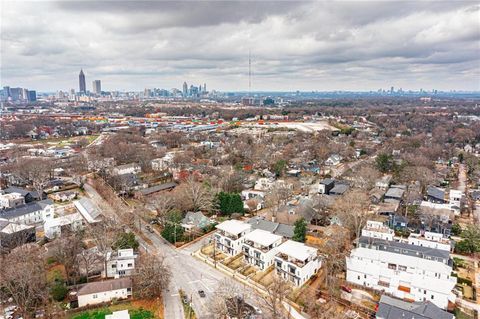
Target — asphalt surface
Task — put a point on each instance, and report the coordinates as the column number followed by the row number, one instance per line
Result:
column 188, row 273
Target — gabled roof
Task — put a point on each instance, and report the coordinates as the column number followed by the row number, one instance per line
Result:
column 103, row 286
column 392, row 308
column 436, row 192
column 25, row 209
column 276, row 228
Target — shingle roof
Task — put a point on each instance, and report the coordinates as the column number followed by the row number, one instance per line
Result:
column 276, row 228
column 391, row 308
column 158, row 188
column 25, row 209
column 405, row 249
column 436, row 192
column 107, row 285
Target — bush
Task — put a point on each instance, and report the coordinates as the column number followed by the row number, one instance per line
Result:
column 229, row 203
column 58, row 292
column 126, row 240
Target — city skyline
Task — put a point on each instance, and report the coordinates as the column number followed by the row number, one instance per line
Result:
column 294, row 46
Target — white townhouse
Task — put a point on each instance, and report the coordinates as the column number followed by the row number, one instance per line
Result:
column 120, row 263
column 230, row 236
column 104, row 291
column 11, row 200
column 296, row 262
column 409, row 272
column 260, row 247
column 430, row 240
column 377, row 230
column 132, row 168
column 30, row 213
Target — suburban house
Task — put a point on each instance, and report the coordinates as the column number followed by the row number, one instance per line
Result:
column 53, row 227
column 392, row 308
column 94, row 293
column 455, row 199
column 29, row 196
column 300, row 207
column 395, row 192
column 333, row 160
column 63, row 196
column 436, row 195
column 384, row 182
column 132, row 168
column 29, row 213
column 120, row 263
column 11, row 200
column 255, row 196
column 325, row 186
column 259, row 248
column 14, row 234
column 283, row 230
column 163, row 163
column 231, row 235
column 296, row 262
column 409, row 272
column 339, row 189
column 195, row 220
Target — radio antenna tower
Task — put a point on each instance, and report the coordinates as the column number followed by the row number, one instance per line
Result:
column 249, row 74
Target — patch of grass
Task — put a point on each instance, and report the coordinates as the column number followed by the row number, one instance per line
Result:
column 101, row 313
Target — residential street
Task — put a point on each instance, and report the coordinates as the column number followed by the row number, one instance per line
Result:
column 188, row 273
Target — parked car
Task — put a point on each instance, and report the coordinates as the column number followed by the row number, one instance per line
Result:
column 201, row 293
column 346, row 288
column 149, row 228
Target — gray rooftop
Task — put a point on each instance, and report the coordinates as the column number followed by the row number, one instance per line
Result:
column 436, row 192
column 26, row 209
column 339, row 189
column 158, row 188
column 275, row 228
column 394, row 192
column 442, row 256
column 392, row 308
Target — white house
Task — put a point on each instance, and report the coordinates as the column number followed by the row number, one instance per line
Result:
column 30, row 213
column 333, row 160
column 121, row 314
column 409, row 272
column 264, row 184
column 163, row 163
column 132, row 168
column 11, row 200
column 377, row 230
column 455, row 199
column 104, row 291
column 53, row 226
column 296, row 262
column 230, row 236
column 430, row 240
column 259, row 248
column 120, row 263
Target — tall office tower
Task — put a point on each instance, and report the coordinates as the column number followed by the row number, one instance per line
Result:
column 97, row 87
column 81, row 80
column 204, row 87
column 185, row 89
column 6, row 91
column 24, row 94
column 32, row 95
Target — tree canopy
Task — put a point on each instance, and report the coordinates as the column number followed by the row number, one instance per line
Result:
column 300, row 230
column 229, row 203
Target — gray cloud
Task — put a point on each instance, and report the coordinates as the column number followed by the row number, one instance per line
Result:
column 294, row 45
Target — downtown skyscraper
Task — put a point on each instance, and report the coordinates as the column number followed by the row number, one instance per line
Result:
column 81, row 83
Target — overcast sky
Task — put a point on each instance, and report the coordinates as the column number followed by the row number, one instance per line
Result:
column 345, row 45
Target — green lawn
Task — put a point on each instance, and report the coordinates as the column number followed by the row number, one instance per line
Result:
column 101, row 313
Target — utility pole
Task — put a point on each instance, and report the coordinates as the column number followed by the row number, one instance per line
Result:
column 214, row 251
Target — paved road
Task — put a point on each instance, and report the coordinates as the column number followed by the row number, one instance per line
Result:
column 188, row 273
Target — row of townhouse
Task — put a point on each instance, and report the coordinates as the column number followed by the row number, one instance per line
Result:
column 418, row 269
column 292, row 260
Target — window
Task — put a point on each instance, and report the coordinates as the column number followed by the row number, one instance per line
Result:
column 114, row 266
column 392, row 266
column 432, row 297
column 95, row 296
column 129, row 265
column 402, row 268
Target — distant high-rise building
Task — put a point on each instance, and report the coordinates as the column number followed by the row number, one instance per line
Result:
column 97, row 87
column 81, row 81
column 185, row 89
column 15, row 93
column 24, row 96
column 32, row 96
column 204, row 87
column 392, row 90
column 6, row 91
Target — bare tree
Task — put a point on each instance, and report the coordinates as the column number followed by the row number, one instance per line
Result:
column 103, row 235
column 66, row 251
column 276, row 294
column 228, row 300
column 23, row 279
column 163, row 204
column 352, row 209
column 278, row 196
column 151, row 276
column 34, row 171
column 195, row 195
column 88, row 260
